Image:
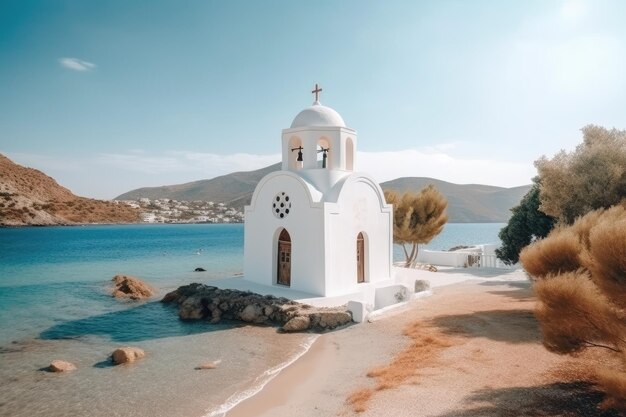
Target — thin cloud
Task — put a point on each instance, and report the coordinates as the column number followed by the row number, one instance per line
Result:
column 76, row 64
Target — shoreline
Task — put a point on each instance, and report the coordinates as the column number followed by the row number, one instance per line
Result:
column 261, row 381
column 492, row 361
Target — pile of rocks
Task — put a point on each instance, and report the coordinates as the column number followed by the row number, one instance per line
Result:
column 203, row 302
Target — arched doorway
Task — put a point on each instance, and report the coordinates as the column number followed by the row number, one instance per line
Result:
column 360, row 258
column 284, row 259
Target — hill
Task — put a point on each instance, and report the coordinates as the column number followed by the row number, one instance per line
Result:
column 30, row 197
column 466, row 203
column 234, row 190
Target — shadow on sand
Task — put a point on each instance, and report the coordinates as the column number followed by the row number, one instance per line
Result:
column 512, row 326
column 572, row 399
column 520, row 290
column 148, row 321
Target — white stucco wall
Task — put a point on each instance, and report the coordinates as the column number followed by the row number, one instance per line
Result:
column 359, row 208
column 304, row 224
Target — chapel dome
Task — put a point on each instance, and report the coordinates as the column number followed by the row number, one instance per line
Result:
column 318, row 115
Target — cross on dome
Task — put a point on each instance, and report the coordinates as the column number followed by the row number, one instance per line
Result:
column 317, row 93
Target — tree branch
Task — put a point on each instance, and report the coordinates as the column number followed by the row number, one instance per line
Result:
column 590, row 344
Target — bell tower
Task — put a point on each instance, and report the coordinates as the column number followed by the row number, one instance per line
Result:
column 318, row 139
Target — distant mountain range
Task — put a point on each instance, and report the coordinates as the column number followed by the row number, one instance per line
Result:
column 30, row 197
column 467, row 203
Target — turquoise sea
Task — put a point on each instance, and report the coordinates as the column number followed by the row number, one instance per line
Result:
column 54, row 304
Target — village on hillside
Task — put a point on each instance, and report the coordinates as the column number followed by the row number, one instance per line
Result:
column 165, row 210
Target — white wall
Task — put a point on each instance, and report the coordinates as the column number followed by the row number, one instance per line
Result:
column 304, row 224
column 358, row 209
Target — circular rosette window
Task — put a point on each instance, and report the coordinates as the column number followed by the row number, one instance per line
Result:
column 281, row 205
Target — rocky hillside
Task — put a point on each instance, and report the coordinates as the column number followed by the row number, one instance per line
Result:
column 30, row 197
column 467, row 203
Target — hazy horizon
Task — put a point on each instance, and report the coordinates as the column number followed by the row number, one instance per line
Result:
column 107, row 97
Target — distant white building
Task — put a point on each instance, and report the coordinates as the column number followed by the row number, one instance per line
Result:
column 318, row 225
column 148, row 217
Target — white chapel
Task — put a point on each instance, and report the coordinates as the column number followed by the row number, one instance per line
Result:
column 318, row 225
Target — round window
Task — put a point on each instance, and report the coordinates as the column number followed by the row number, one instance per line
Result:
column 281, row 205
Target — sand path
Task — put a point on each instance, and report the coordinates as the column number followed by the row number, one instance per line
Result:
column 493, row 363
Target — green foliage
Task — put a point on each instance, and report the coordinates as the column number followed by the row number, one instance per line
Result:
column 526, row 225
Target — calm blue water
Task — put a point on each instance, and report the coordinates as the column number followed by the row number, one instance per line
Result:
column 55, row 304
column 54, row 275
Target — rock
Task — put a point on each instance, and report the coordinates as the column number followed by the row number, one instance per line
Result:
column 191, row 309
column 131, row 287
column 61, row 366
column 297, row 324
column 331, row 318
column 252, row 313
column 127, row 355
column 199, row 270
column 422, row 285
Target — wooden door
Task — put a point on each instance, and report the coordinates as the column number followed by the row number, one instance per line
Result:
column 360, row 259
column 284, row 259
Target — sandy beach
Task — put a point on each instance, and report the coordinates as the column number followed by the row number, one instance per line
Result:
column 472, row 349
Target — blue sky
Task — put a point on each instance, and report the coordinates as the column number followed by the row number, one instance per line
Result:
column 107, row 96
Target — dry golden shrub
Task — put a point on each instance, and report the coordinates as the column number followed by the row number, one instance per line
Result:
column 613, row 382
column 572, row 313
column 417, row 218
column 559, row 252
column 585, row 306
column 606, row 257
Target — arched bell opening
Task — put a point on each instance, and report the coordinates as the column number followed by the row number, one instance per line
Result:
column 324, row 153
column 349, row 154
column 295, row 153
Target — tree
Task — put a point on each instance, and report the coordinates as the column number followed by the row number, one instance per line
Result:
column 579, row 274
column 525, row 225
column 591, row 177
column 417, row 218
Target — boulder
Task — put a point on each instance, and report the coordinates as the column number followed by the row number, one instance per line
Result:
column 252, row 313
column 191, row 309
column 127, row 355
column 61, row 366
column 126, row 286
column 422, row 285
column 297, row 324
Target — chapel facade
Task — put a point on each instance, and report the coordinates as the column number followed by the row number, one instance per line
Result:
column 318, row 225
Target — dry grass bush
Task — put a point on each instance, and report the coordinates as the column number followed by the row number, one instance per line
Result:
column 560, row 253
column 606, row 257
column 613, row 382
column 417, row 218
column 573, row 314
column 426, row 343
column 580, row 274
